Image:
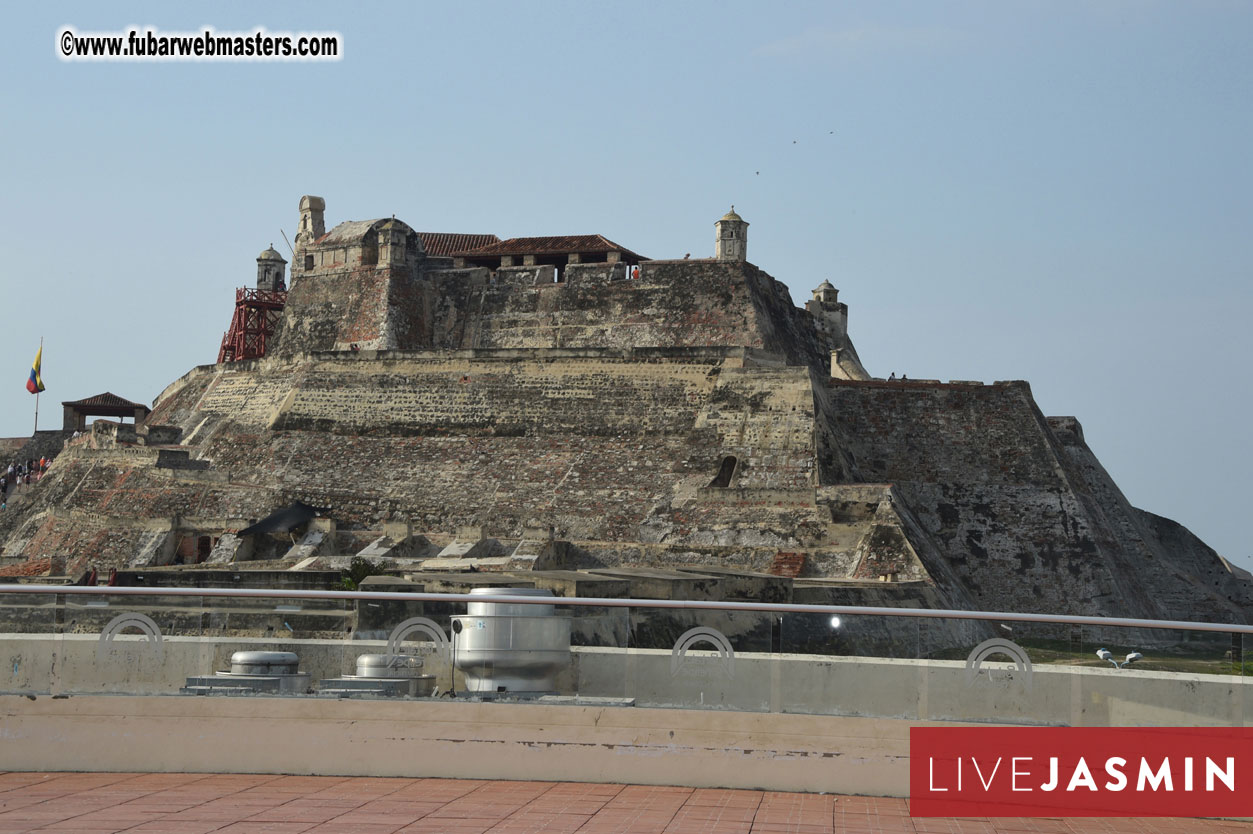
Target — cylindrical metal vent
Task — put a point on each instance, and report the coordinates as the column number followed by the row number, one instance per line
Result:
column 509, row 609
column 264, row 663
column 511, row 647
column 389, row 666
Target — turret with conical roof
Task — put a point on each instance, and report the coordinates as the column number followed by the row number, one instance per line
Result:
column 731, row 237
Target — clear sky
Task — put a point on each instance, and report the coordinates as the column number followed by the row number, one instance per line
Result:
column 1050, row 191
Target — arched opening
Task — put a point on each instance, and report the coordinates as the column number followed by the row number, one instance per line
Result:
column 725, row 472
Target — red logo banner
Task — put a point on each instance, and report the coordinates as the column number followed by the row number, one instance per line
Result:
column 1081, row 771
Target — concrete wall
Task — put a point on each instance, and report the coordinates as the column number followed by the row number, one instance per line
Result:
column 877, row 688
column 458, row 740
column 710, row 747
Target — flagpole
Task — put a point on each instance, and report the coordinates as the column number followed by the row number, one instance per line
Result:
column 41, row 351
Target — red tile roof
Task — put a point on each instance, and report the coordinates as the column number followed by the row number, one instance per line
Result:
column 446, row 243
column 105, row 400
column 560, row 245
column 435, row 243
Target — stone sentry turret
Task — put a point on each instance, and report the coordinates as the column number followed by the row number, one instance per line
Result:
column 830, row 319
column 312, row 226
column 352, row 288
column 385, row 242
column 830, row 314
column 271, row 268
column 731, row 238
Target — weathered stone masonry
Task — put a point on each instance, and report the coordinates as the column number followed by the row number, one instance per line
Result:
column 691, row 416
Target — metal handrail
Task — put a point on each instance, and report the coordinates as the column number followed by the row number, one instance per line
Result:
column 599, row 602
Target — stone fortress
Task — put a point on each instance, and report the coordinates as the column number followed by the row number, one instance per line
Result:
column 565, row 413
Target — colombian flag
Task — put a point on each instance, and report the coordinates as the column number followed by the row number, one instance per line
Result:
column 36, row 384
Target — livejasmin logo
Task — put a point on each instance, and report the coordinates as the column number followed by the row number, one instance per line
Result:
column 1076, row 771
column 1081, row 776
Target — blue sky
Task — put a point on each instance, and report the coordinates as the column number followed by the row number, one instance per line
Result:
column 1056, row 192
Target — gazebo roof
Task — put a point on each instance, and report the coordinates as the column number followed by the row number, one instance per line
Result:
column 106, row 405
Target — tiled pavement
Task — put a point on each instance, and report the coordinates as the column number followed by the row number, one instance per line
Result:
column 192, row 803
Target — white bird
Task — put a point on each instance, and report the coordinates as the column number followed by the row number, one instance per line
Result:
column 1105, row 654
column 1132, row 658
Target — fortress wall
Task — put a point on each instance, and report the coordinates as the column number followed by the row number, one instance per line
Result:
column 101, row 486
column 1191, row 581
column 514, row 276
column 765, row 418
column 594, row 444
column 247, row 395
column 596, row 273
column 981, row 471
column 58, row 488
column 752, row 521
column 152, row 494
column 330, row 311
column 437, row 396
column 672, row 304
column 590, row 443
column 1181, row 553
column 712, row 308
column 404, row 314
column 49, row 442
column 183, row 393
column 944, row 433
column 82, row 540
column 1021, row 547
column 1025, row 520
column 587, row 490
column 679, row 304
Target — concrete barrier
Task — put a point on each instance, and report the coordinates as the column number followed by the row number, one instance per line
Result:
column 144, row 734
column 778, row 722
column 859, row 687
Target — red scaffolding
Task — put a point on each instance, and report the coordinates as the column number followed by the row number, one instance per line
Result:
column 256, row 315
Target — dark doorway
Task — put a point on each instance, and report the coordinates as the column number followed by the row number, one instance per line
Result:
column 723, row 478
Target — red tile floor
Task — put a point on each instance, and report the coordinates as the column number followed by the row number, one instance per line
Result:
column 192, row 803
